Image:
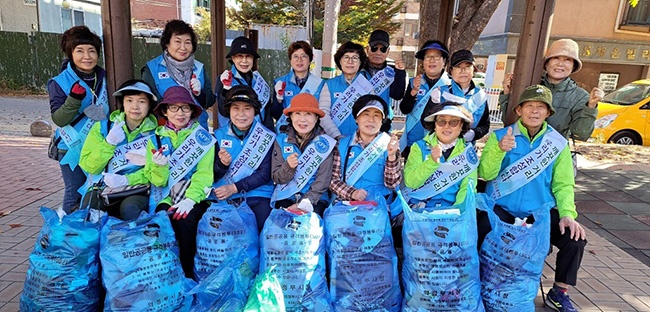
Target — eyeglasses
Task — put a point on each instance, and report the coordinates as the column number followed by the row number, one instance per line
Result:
column 375, row 48
column 300, row 57
column 452, row 123
column 353, row 59
column 174, row 108
column 431, row 58
column 463, row 69
column 240, row 57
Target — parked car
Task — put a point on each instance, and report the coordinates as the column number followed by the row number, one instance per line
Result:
column 623, row 115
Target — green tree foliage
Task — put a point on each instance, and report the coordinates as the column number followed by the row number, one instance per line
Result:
column 278, row 12
column 202, row 28
column 357, row 18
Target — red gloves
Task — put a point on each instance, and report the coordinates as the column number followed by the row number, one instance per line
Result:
column 77, row 91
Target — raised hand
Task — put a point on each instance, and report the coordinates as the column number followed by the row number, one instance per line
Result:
column 595, row 96
column 507, row 142
column 224, row 157
column 436, row 153
column 292, row 160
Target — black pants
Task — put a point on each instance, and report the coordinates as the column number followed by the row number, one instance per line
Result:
column 569, row 254
column 319, row 208
column 185, row 230
column 132, row 206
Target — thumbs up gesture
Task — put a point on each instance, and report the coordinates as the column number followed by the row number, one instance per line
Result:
column 507, row 143
column 292, row 160
column 436, row 153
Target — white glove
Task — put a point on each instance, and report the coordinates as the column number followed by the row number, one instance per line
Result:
column 435, row 96
column 137, row 157
column 279, row 90
column 195, row 85
column 159, row 159
column 226, row 79
column 305, row 205
column 469, row 135
column 183, row 208
column 116, row 135
column 115, row 180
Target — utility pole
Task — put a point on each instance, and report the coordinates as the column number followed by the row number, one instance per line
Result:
column 530, row 51
column 118, row 55
column 330, row 28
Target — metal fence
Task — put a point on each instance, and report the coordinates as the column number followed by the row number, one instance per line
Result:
column 492, row 101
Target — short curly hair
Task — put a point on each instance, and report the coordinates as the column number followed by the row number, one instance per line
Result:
column 294, row 46
column 177, row 27
column 351, row 47
column 79, row 35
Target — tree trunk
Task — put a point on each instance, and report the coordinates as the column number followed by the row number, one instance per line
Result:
column 429, row 12
column 470, row 21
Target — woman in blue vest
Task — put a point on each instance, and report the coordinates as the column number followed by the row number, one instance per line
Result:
column 129, row 129
column 78, row 98
column 461, row 89
column 176, row 66
column 355, row 172
column 180, row 163
column 298, row 80
column 242, row 56
column 434, row 55
column 243, row 162
column 443, row 145
column 349, row 58
column 302, row 188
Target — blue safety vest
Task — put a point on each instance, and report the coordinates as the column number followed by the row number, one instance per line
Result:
column 290, row 148
column 417, row 133
column 234, row 147
column 535, row 193
column 455, row 89
column 337, row 86
column 373, row 178
column 448, row 197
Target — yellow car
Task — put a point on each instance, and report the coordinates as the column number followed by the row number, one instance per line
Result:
column 623, row 115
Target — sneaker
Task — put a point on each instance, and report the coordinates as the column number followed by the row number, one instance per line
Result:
column 559, row 301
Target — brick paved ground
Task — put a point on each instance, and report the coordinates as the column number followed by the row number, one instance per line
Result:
column 610, row 279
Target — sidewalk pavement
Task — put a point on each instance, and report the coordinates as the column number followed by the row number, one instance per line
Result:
column 614, row 203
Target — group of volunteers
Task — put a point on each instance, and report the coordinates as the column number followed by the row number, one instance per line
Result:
column 302, row 143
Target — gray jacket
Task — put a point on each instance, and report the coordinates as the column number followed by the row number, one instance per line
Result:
column 572, row 115
column 281, row 172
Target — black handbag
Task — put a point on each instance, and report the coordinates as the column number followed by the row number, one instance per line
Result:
column 112, row 196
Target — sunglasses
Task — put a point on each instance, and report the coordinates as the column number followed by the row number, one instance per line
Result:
column 452, row 123
column 375, row 48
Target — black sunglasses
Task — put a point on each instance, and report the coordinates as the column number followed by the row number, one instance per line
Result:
column 375, row 48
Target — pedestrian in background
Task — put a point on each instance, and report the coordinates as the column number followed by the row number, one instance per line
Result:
column 176, row 66
column 78, row 99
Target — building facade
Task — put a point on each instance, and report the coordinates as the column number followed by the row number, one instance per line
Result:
column 614, row 38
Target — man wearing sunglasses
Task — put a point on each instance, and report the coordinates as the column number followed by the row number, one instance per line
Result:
column 377, row 50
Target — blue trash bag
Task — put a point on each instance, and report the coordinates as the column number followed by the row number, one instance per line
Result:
column 295, row 245
column 226, row 288
column 223, row 230
column 266, row 295
column 141, row 270
column 512, row 258
column 441, row 265
column 63, row 272
column 362, row 258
